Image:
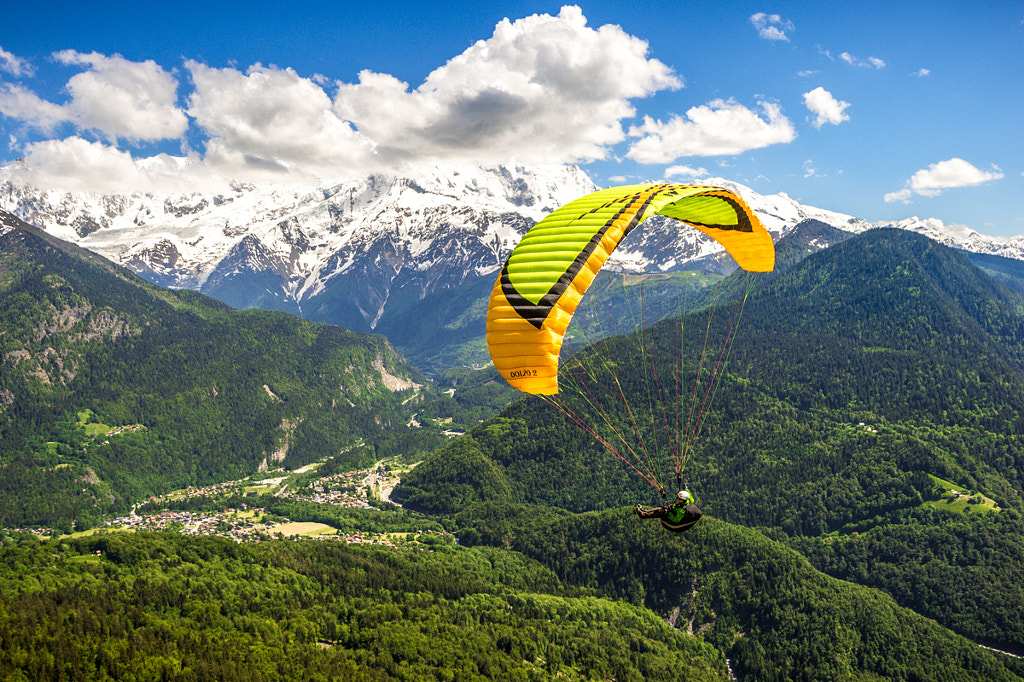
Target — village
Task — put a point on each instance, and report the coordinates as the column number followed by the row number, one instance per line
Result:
column 249, row 523
column 243, row 525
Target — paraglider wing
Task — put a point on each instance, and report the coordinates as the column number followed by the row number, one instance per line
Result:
column 548, row 272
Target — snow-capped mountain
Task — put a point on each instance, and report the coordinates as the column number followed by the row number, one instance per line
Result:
column 356, row 253
column 334, row 254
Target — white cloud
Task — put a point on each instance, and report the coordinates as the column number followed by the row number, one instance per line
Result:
column 14, row 65
column 123, row 99
column 922, row 72
column 771, row 26
column 268, row 123
column 543, row 89
column 825, row 107
column 870, row 62
column 685, row 172
column 718, row 128
column 75, row 164
column 117, row 98
column 948, row 174
column 17, row 102
column 941, row 176
column 902, row 196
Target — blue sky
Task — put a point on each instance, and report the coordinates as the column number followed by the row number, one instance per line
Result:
column 881, row 110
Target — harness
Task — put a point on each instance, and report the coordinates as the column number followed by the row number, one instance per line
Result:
column 681, row 518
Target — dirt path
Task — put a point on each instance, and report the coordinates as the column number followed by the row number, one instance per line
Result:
column 1000, row 651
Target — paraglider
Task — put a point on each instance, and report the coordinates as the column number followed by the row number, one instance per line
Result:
column 678, row 516
column 547, row 274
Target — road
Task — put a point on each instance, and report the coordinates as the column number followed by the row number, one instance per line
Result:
column 383, row 484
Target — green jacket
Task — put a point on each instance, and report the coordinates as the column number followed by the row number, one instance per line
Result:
column 677, row 511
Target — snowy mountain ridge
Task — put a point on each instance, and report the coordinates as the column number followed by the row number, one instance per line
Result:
column 346, row 253
column 195, row 232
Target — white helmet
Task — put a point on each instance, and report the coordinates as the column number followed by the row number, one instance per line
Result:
column 683, row 495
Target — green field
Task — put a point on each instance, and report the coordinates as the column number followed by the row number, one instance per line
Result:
column 958, row 498
column 304, row 528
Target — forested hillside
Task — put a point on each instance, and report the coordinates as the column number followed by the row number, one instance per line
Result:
column 112, row 389
column 166, row 607
column 872, row 388
column 762, row 604
column 560, row 597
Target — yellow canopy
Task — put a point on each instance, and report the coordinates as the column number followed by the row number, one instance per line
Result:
column 551, row 268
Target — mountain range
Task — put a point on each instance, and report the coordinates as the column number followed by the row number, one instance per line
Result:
column 370, row 254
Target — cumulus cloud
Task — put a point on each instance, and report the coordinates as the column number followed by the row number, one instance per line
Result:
column 948, row 174
column 22, row 104
column 903, row 196
column 941, row 176
column 685, row 172
column 825, row 107
column 115, row 97
column 271, row 122
column 721, row 127
column 75, row 164
column 922, row 72
column 119, row 98
column 13, row 65
column 771, row 26
column 542, row 89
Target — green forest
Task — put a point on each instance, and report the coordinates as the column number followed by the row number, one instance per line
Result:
column 163, row 607
column 559, row 596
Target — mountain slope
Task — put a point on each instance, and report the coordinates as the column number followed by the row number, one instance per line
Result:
column 367, row 237
column 889, row 300
column 761, row 604
column 131, row 389
column 573, row 595
column 860, row 381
